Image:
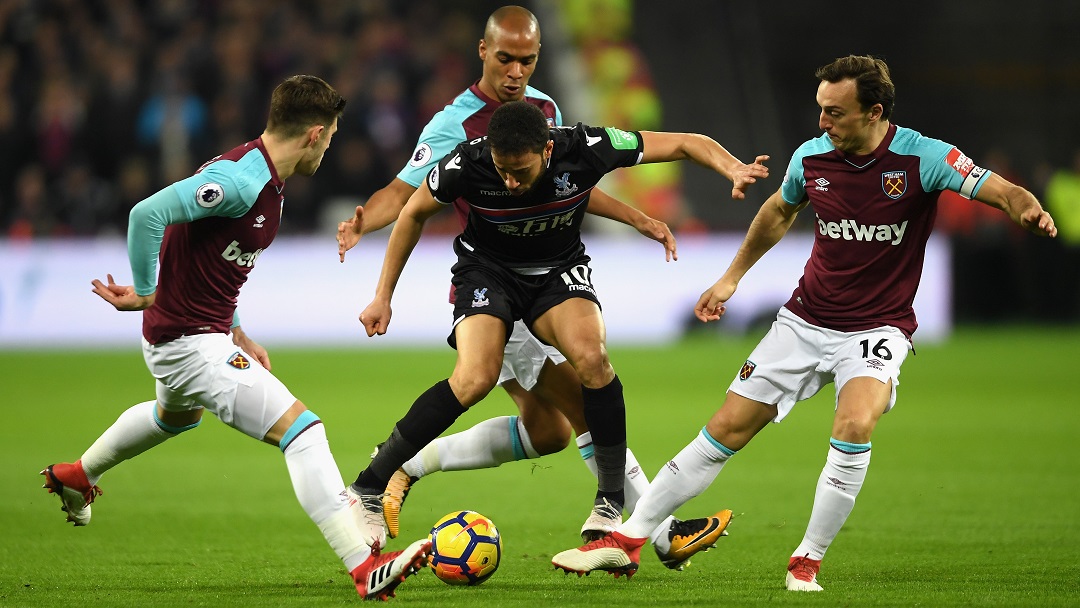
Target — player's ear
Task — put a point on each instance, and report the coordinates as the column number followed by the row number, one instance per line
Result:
column 313, row 134
column 876, row 111
column 482, row 50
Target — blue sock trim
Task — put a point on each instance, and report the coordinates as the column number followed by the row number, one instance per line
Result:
column 849, row 448
column 302, row 423
column 716, row 444
column 515, row 440
column 586, row 451
column 175, row 430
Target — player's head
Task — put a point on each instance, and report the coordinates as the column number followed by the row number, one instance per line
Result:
column 856, row 94
column 305, row 107
column 520, row 144
column 509, row 50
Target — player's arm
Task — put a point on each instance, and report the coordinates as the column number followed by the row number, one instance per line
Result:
column 380, row 210
column 220, row 195
column 663, row 147
column 406, row 233
column 1021, row 205
column 770, row 225
column 604, row 205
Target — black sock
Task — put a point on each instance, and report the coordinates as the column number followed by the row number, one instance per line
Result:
column 605, row 413
column 432, row 413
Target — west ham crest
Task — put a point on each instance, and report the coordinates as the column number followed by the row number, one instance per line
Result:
column 239, row 361
column 894, row 183
column 747, row 369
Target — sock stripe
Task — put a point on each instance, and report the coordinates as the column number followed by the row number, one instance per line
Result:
column 849, row 448
column 515, row 440
column 303, row 422
column 175, row 430
column 716, row 444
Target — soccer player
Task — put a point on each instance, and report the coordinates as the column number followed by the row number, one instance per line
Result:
column 208, row 231
column 543, row 385
column 873, row 187
column 520, row 257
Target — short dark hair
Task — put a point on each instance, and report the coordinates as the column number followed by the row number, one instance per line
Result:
column 518, row 127
column 300, row 102
column 873, row 84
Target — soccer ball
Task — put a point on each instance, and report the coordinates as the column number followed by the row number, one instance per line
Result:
column 465, row 548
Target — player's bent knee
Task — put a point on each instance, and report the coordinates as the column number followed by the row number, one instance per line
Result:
column 177, row 422
column 471, row 388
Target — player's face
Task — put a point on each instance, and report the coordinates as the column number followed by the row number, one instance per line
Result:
column 509, row 60
column 521, row 172
column 843, row 118
column 309, row 164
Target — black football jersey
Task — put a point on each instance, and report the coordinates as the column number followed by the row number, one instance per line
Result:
column 542, row 227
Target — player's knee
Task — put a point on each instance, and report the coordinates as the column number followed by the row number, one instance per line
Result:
column 854, row 429
column 470, row 388
column 593, row 367
column 551, row 436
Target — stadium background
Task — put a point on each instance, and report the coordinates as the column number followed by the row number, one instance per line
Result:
column 973, row 496
column 101, row 103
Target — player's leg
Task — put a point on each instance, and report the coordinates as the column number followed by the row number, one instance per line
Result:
column 355, row 535
column 576, row 328
column 866, row 379
column 479, row 339
column 139, row 428
column 685, row 476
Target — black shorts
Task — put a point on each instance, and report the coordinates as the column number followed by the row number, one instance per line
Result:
column 485, row 287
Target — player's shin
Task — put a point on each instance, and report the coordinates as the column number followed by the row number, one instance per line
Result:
column 682, row 478
column 837, row 486
column 635, row 483
column 318, row 486
column 605, row 413
column 136, row 430
column 432, row 413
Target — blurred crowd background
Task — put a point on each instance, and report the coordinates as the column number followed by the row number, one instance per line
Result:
column 103, row 102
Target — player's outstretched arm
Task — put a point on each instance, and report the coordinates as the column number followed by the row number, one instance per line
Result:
column 250, row 347
column 604, row 205
column 122, row 297
column 1021, row 205
column 380, row 210
column 421, row 206
column 770, row 224
column 705, row 151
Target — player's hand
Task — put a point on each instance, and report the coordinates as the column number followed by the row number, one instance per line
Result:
column 659, row 232
column 349, row 232
column 744, row 175
column 122, row 297
column 251, row 347
column 710, row 306
column 376, row 317
column 1038, row 221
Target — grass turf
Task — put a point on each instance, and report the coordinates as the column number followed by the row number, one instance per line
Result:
column 972, row 498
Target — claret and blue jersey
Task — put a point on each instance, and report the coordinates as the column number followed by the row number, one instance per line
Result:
column 466, row 118
column 209, row 229
column 873, row 216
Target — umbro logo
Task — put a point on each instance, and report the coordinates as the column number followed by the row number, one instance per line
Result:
column 259, row 221
column 822, row 184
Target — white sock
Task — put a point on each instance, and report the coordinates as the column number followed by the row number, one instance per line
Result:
column 636, row 483
column 321, row 492
column 837, row 487
column 134, row 432
column 682, row 478
column 485, row 445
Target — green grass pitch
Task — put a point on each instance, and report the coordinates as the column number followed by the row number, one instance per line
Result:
column 972, row 499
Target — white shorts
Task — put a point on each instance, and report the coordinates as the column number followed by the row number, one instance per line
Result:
column 795, row 359
column 209, row 371
column 524, row 357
